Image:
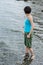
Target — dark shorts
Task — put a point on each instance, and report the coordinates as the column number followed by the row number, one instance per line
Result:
column 28, row 41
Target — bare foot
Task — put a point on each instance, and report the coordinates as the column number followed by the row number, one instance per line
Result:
column 32, row 57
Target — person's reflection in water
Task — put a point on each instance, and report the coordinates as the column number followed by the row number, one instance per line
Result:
column 27, row 62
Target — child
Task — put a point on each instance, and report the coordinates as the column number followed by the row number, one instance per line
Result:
column 28, row 29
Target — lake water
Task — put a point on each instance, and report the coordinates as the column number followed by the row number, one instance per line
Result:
column 12, row 18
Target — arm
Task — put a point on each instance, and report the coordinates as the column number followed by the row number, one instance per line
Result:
column 32, row 24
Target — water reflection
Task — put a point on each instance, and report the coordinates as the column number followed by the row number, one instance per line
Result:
column 27, row 62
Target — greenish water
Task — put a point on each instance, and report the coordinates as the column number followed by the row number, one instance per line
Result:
column 12, row 18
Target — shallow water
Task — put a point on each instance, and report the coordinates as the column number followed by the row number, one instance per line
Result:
column 12, row 18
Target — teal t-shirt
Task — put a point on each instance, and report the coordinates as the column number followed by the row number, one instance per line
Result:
column 27, row 25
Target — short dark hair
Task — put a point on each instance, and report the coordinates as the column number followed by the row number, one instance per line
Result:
column 27, row 10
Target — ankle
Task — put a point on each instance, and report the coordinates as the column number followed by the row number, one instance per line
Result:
column 26, row 53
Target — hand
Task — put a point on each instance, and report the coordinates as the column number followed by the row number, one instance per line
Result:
column 28, row 36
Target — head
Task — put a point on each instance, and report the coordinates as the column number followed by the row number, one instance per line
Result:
column 27, row 10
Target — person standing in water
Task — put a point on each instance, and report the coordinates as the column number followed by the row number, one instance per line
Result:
column 28, row 29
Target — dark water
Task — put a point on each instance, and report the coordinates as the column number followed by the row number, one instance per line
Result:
column 12, row 18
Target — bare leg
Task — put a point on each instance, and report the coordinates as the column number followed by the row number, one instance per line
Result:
column 32, row 53
column 26, row 53
column 27, row 49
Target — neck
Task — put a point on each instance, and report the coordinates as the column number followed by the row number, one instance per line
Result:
column 28, row 15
